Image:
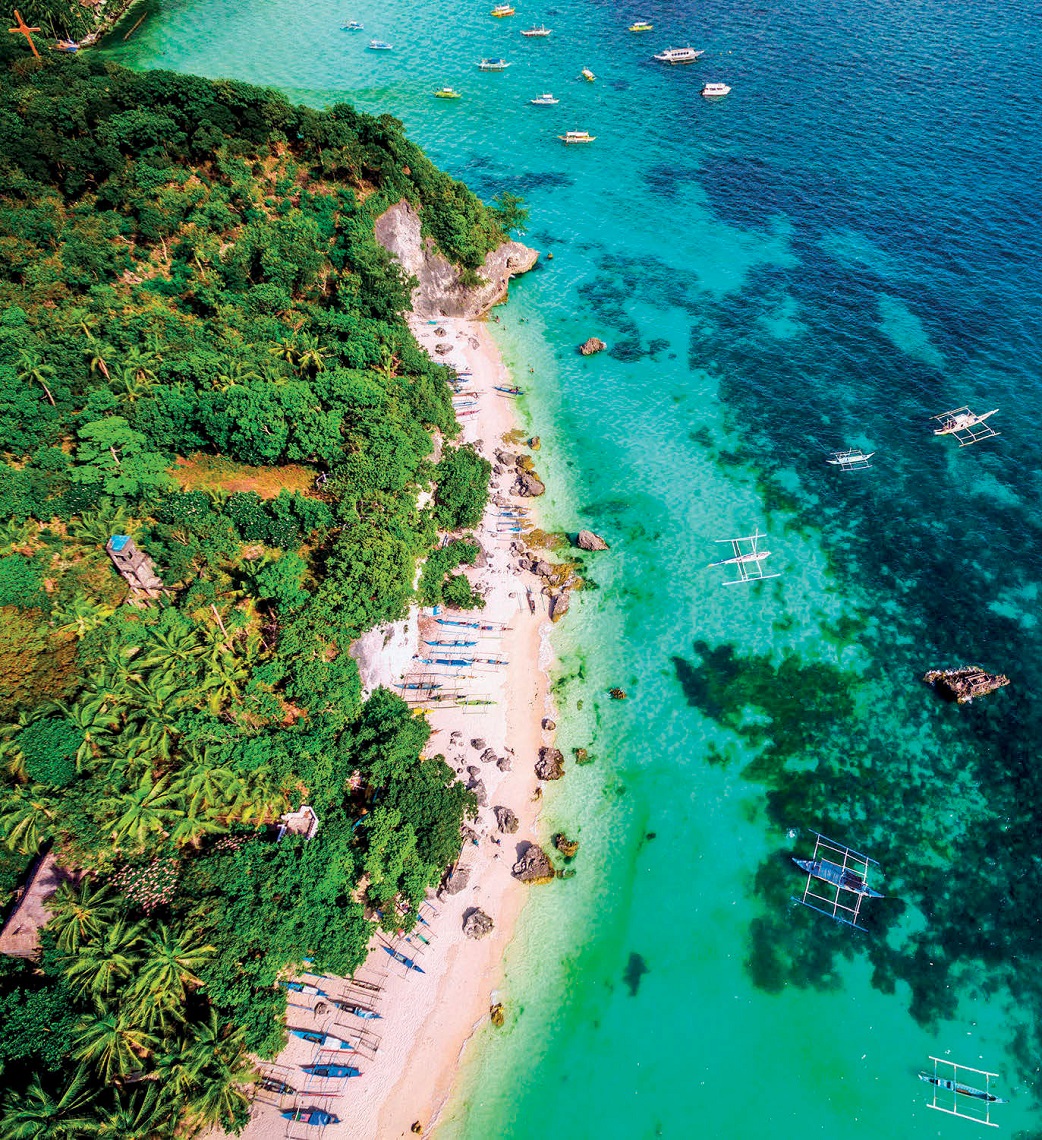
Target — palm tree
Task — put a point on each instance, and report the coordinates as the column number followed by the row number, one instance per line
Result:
column 80, row 616
column 151, row 809
column 94, row 717
column 101, row 966
column 98, row 356
column 169, row 648
column 233, row 373
column 26, row 818
column 111, row 1043
column 37, row 1115
column 131, row 383
column 80, row 914
column 94, row 528
column 311, row 356
column 144, row 1114
column 34, row 371
column 14, row 535
column 171, row 960
column 227, row 1070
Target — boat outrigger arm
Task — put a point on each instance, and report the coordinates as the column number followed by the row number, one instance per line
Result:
column 837, row 881
column 747, row 559
column 951, row 1082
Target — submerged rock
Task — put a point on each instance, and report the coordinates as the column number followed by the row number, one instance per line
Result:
column 568, row 847
column 534, row 866
column 497, row 1015
column 636, row 968
column 527, row 486
column 582, row 756
column 550, row 765
column 506, row 820
column 587, row 540
column 594, row 344
column 617, row 694
column 477, row 924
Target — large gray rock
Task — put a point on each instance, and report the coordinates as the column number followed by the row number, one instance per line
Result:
column 587, row 540
column 550, row 765
column 506, row 820
column 478, row 788
column 503, row 763
column 457, row 880
column 558, row 606
column 488, row 756
column 437, row 289
column 477, row 924
column 527, row 486
column 534, row 866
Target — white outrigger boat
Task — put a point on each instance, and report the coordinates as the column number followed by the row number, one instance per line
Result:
column 957, row 1096
column 715, row 90
column 541, row 32
column 966, row 426
column 588, row 75
column 380, row 45
column 546, row 100
column 493, row 64
column 854, row 459
column 678, row 55
column 747, row 559
column 501, row 10
column 570, row 137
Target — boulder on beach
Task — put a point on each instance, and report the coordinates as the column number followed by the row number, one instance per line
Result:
column 548, row 724
column 478, row 788
column 443, row 349
column 587, row 540
column 503, row 764
column 534, row 866
column 506, row 820
column 594, row 344
column 456, row 880
column 478, row 742
column 477, row 924
column 488, row 756
column 550, row 765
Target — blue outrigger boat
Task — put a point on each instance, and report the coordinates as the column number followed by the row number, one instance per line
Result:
column 408, row 963
column 358, row 1010
column 317, row 1116
column 510, row 391
column 332, row 1070
column 316, row 1037
column 452, row 644
column 471, row 625
column 843, row 877
column 305, row 988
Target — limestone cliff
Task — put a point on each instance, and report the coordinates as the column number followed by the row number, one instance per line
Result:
column 439, row 292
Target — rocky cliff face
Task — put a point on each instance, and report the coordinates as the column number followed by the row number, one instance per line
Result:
column 439, row 292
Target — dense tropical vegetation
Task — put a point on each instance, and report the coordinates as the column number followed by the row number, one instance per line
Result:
column 202, row 347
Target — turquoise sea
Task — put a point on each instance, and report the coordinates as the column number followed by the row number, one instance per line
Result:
column 844, row 246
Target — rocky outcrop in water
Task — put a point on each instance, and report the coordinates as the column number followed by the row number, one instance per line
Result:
column 962, row 685
column 587, row 540
column 439, row 291
column 568, row 847
column 550, row 765
column 591, row 346
column 534, row 866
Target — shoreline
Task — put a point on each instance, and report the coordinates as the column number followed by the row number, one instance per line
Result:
column 410, row 1057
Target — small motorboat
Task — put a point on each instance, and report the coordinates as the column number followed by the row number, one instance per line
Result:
column 961, row 1089
column 641, row 26
column 844, row 877
column 588, row 75
column 354, row 26
column 541, row 32
column 570, row 137
column 494, row 64
column 501, row 10
column 332, row 1070
column 715, row 90
column 316, row 1116
column 678, row 55
column 546, row 100
column 380, row 45
column 447, row 93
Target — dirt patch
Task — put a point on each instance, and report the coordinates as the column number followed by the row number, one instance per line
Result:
column 212, row 473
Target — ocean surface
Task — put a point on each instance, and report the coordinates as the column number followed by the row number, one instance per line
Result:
column 846, row 245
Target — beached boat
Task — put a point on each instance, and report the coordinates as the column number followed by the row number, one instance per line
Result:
column 961, row 1089
column 540, row 32
column 408, row 963
column 447, row 93
column 316, row 1116
column 452, row 644
column 326, row 1040
column 641, row 26
column 577, row 137
column 274, row 1085
column 322, row 1070
column 501, row 10
column 379, row 45
column 354, row 26
column 305, row 988
column 358, row 1010
column 493, row 65
column 588, row 75
column 546, row 100
column 473, row 624
column 678, row 55
column 715, row 90
column 509, row 391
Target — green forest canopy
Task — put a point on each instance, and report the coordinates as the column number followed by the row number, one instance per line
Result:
column 188, row 268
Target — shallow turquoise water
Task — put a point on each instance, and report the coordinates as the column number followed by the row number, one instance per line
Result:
column 843, row 247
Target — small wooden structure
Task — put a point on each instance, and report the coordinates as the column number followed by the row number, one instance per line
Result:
column 303, row 821
column 962, row 685
column 747, row 559
column 966, row 426
column 135, row 566
column 958, row 1091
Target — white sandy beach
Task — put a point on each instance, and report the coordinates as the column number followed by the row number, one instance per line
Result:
column 410, row 1055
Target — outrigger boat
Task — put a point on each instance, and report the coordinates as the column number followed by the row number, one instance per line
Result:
column 326, row 1040
column 853, row 459
column 966, row 426
column 678, row 55
column 588, row 75
column 317, row 1116
column 379, row 45
column 844, row 870
column 497, row 628
column 354, row 26
column 540, row 32
column 747, row 559
column 358, row 1010
column 323, row 1070
column 509, row 391
column 305, row 988
column 274, row 1085
column 546, row 100
column 494, row 64
column 978, row 1101
column 501, row 10
column 447, row 93
column 571, row 137
column 452, row 644
column 408, row 963
column 641, row 26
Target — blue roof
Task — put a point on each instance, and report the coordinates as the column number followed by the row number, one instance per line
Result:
column 118, row 541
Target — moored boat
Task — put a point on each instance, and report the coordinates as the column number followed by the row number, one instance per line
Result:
column 678, row 55
column 354, row 26
column 838, row 876
column 588, row 75
column 715, row 90
column 447, row 93
column 501, row 10
column 641, row 26
column 541, row 31
column 570, row 137
column 511, row 391
column 379, row 45
column 360, row 1010
column 494, row 64
column 546, row 100
column 961, row 1089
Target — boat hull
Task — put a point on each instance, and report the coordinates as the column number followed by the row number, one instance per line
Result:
column 838, row 876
